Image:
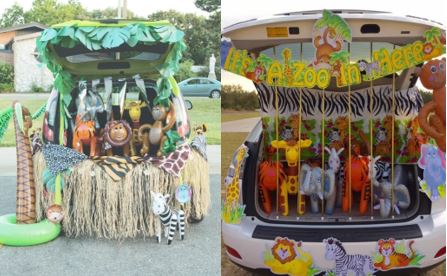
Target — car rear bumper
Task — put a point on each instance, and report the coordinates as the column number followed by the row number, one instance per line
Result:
column 428, row 234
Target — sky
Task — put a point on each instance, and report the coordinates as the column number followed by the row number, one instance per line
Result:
column 234, row 11
column 139, row 7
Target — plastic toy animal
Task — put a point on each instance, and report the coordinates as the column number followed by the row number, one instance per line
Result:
column 311, row 185
column 432, row 115
column 199, row 141
column 357, row 170
column 268, row 179
column 361, row 265
column 118, row 134
column 432, row 161
column 291, row 185
column 135, row 115
column 383, row 189
column 155, row 134
column 85, row 134
column 54, row 213
column 332, row 189
column 171, row 219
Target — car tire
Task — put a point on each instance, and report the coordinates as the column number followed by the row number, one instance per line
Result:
column 215, row 94
column 188, row 104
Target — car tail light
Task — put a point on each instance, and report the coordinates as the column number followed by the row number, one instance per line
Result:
column 233, row 252
column 440, row 252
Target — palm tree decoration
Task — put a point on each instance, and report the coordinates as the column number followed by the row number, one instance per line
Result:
column 337, row 59
column 433, row 35
column 334, row 21
column 26, row 192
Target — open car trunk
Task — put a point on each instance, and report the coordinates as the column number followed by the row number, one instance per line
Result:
column 394, row 189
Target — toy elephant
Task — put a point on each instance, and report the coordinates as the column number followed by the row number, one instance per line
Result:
column 311, row 185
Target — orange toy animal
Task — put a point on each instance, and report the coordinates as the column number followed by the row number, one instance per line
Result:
column 432, row 115
column 267, row 179
column 84, row 134
column 357, row 170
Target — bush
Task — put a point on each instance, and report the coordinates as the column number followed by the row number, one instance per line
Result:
column 184, row 71
column 6, row 78
column 37, row 89
column 234, row 97
column 6, row 88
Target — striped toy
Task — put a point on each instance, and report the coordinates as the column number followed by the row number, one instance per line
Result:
column 168, row 217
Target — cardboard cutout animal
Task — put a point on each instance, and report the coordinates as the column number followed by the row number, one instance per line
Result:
column 432, row 161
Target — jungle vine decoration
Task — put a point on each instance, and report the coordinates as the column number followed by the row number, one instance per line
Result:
column 96, row 36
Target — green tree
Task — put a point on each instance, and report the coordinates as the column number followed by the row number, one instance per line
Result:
column 184, row 71
column 109, row 13
column 213, row 26
column 210, row 6
column 195, row 28
column 51, row 12
column 12, row 16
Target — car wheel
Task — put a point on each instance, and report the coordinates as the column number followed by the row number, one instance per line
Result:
column 215, row 94
column 188, row 104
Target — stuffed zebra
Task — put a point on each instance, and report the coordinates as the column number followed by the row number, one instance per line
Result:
column 171, row 219
column 361, row 265
column 380, row 170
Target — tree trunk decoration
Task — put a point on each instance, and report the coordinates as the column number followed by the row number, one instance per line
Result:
column 26, row 194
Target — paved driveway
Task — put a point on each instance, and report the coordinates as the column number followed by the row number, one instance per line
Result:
column 198, row 254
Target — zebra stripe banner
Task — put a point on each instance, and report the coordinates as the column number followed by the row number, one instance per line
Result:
column 408, row 102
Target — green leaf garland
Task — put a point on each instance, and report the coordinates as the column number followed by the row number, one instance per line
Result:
column 96, row 36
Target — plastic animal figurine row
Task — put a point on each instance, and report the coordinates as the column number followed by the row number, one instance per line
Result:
column 120, row 134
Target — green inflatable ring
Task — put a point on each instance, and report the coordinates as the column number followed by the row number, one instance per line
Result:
column 26, row 234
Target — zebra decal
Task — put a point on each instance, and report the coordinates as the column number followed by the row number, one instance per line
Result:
column 408, row 102
column 168, row 217
column 361, row 265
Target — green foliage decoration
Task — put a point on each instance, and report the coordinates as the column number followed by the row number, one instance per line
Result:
column 96, row 36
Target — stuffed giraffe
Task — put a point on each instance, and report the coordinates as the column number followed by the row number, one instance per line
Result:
column 290, row 185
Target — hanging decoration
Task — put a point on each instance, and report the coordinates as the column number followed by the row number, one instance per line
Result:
column 329, row 34
column 174, row 162
column 232, row 209
column 183, row 193
column 392, row 254
column 432, row 115
column 432, row 161
column 96, row 36
column 287, row 256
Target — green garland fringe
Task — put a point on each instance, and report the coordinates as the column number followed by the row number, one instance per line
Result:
column 39, row 112
column 98, row 37
column 5, row 117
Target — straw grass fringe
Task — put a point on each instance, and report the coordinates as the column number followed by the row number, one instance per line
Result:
column 96, row 206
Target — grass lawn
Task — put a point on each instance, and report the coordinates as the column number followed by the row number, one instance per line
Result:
column 204, row 110
column 232, row 115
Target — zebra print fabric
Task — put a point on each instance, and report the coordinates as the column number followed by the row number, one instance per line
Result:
column 407, row 102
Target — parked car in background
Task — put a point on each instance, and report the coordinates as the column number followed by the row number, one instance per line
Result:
column 200, row 87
